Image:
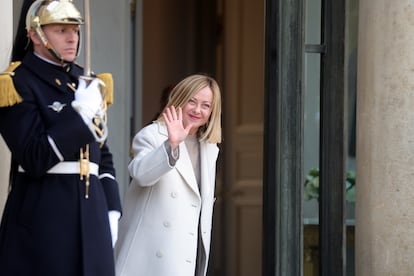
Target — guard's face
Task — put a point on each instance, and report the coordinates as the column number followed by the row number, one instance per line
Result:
column 64, row 39
column 198, row 109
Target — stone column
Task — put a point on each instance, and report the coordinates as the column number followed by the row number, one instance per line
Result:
column 6, row 42
column 385, row 139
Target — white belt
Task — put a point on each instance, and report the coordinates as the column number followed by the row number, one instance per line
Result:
column 70, row 167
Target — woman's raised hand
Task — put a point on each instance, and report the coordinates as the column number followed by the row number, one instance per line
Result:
column 177, row 132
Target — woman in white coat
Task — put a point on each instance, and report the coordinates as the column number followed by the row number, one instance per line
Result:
column 165, row 229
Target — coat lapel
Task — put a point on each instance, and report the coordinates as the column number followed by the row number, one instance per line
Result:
column 208, row 157
column 185, row 168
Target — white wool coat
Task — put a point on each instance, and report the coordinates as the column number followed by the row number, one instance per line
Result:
column 158, row 232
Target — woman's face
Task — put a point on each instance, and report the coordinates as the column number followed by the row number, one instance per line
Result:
column 197, row 110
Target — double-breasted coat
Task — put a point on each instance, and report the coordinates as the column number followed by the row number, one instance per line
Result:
column 48, row 226
column 164, row 211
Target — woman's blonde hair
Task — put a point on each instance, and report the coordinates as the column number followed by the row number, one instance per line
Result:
column 185, row 90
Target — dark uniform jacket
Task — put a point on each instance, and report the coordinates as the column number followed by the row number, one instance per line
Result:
column 48, row 226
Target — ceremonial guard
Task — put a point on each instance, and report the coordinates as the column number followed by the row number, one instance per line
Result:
column 62, row 211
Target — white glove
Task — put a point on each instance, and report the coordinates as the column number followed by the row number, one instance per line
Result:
column 88, row 99
column 113, row 224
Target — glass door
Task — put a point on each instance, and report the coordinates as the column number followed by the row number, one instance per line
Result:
column 319, row 68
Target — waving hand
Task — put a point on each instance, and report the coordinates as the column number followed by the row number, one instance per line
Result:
column 177, row 132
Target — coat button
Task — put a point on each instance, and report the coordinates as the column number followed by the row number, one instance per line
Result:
column 173, row 194
column 159, row 254
column 167, row 224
